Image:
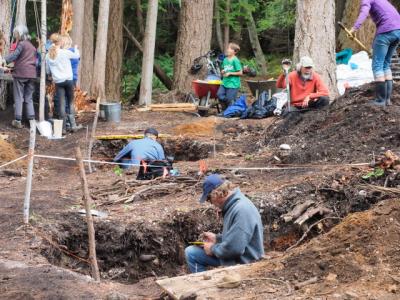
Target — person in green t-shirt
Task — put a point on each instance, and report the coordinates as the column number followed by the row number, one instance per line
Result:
column 231, row 71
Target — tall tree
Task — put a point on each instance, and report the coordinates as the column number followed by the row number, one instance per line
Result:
column 218, row 29
column 194, row 39
column 315, row 37
column 86, row 66
column 139, row 18
column 255, row 43
column 148, row 53
column 5, row 25
column 21, row 12
column 227, row 23
column 78, row 19
column 100, row 58
column 115, row 51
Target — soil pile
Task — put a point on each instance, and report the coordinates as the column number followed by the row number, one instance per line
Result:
column 7, row 152
column 350, row 130
column 204, row 127
column 357, row 249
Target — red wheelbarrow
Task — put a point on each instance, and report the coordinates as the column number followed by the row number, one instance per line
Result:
column 205, row 91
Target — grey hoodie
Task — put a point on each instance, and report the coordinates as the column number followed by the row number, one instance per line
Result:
column 241, row 240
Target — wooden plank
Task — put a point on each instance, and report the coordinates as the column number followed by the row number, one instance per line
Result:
column 168, row 105
column 203, row 284
column 126, row 137
column 183, row 109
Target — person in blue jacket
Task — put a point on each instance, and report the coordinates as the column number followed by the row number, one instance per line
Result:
column 241, row 241
column 146, row 149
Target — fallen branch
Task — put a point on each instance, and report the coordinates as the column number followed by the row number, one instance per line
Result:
column 297, row 211
column 300, row 285
column 311, row 212
column 308, row 231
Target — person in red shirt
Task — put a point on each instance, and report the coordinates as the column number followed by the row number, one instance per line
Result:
column 307, row 90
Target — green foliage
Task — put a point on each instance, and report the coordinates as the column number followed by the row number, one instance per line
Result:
column 376, row 173
column 273, row 64
column 132, row 71
column 278, row 14
column 118, row 171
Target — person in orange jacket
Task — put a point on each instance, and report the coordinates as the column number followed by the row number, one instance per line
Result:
column 307, row 89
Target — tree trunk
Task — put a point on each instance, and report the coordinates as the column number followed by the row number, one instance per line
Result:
column 226, row 25
column 366, row 33
column 218, row 29
column 194, row 39
column 86, row 68
column 255, row 44
column 99, row 67
column 315, row 37
column 139, row 18
column 5, row 25
column 146, row 87
column 115, row 51
column 157, row 69
column 21, row 13
column 78, row 20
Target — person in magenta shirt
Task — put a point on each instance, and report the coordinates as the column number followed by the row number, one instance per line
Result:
column 387, row 20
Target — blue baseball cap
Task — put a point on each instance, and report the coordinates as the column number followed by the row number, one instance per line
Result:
column 210, row 183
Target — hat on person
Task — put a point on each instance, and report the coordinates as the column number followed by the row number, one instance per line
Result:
column 151, row 131
column 307, row 62
column 210, row 183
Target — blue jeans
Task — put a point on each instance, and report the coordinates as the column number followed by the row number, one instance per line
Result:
column 227, row 95
column 384, row 47
column 198, row 260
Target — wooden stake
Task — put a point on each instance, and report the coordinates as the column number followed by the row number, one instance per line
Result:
column 89, row 219
column 28, row 189
column 96, row 118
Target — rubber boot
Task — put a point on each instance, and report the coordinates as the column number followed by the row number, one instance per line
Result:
column 380, row 89
column 17, row 124
column 389, row 90
column 64, row 126
column 72, row 122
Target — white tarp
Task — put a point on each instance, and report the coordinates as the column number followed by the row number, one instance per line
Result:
column 348, row 77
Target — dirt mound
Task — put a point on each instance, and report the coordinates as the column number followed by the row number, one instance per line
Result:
column 350, row 130
column 7, row 152
column 204, row 127
column 359, row 247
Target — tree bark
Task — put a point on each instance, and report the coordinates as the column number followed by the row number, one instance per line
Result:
column 5, row 25
column 146, row 87
column 218, row 29
column 255, row 44
column 86, row 68
column 115, row 51
column 21, row 13
column 226, row 25
column 139, row 18
column 315, row 37
column 78, row 20
column 194, row 39
column 99, row 67
column 366, row 34
column 157, row 69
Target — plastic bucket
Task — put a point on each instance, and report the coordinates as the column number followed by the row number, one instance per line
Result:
column 58, row 125
column 110, row 112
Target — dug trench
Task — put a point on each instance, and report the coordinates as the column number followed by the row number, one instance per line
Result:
column 129, row 250
column 147, row 233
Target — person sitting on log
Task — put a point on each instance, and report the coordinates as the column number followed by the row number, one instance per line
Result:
column 241, row 241
column 307, row 89
column 147, row 153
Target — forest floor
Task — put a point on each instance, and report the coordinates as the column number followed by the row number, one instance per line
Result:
column 350, row 248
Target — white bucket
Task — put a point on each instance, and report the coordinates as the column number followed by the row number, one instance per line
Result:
column 45, row 129
column 58, row 125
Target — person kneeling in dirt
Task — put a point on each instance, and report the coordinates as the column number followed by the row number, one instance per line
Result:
column 148, row 153
column 307, row 90
column 241, row 240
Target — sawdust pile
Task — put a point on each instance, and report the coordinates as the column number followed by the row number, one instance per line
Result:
column 204, row 127
column 7, row 152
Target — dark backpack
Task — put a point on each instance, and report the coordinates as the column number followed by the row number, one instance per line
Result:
column 262, row 108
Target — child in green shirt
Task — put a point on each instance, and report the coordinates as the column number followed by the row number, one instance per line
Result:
column 231, row 72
